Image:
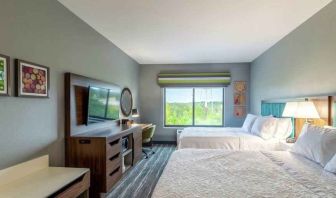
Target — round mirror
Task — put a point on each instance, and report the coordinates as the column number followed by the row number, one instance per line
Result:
column 126, row 101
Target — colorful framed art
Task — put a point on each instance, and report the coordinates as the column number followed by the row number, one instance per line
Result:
column 4, row 75
column 240, row 111
column 240, row 86
column 240, row 106
column 239, row 99
column 32, row 80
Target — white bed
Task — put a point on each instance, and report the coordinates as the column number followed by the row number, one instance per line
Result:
column 218, row 173
column 224, row 138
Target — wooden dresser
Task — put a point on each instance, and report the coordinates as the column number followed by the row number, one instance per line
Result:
column 101, row 151
column 97, row 146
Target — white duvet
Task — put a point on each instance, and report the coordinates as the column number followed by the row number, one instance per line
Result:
column 224, row 138
column 203, row 173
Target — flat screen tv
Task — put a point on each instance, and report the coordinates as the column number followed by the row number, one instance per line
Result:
column 103, row 104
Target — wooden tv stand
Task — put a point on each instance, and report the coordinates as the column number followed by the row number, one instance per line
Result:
column 101, row 151
column 96, row 146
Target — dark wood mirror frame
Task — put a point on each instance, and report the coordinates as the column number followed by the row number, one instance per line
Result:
column 123, row 109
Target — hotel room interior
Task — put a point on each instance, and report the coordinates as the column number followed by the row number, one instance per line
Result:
column 167, row 99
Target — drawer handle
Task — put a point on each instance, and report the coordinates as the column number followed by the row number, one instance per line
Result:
column 114, row 157
column 115, row 171
column 114, row 142
column 84, row 141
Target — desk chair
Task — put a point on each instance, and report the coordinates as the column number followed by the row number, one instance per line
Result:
column 147, row 140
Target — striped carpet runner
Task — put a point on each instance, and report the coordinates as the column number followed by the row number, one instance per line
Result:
column 140, row 181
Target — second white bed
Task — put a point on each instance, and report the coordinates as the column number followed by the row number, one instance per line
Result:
column 224, row 138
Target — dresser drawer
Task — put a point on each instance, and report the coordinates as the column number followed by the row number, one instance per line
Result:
column 113, row 177
column 113, row 147
column 113, row 162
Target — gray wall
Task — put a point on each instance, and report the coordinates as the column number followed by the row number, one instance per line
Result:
column 301, row 64
column 45, row 32
column 151, row 95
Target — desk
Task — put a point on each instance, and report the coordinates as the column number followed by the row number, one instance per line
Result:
column 143, row 126
column 34, row 179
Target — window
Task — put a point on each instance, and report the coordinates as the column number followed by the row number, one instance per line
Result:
column 179, row 106
column 193, row 106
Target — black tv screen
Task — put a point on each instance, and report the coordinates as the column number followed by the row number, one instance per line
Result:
column 103, row 104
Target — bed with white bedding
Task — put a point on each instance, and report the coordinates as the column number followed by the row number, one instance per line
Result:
column 218, row 173
column 224, row 138
column 257, row 133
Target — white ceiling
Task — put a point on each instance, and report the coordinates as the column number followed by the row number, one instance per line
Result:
column 194, row 31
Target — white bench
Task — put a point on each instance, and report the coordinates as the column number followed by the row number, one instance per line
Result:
column 36, row 179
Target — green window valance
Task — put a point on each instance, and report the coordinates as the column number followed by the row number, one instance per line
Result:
column 194, row 79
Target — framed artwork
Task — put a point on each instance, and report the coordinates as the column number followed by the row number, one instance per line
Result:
column 239, row 111
column 239, row 99
column 240, row 86
column 4, row 75
column 32, row 80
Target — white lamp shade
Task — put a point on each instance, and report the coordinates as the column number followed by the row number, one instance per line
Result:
column 290, row 109
column 304, row 109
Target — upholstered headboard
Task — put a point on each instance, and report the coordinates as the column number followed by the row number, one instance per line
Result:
column 325, row 105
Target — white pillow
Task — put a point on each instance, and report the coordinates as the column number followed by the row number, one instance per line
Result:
column 316, row 143
column 283, row 129
column 331, row 165
column 249, row 120
column 264, row 127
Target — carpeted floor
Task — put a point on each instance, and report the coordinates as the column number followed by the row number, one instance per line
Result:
column 140, row 181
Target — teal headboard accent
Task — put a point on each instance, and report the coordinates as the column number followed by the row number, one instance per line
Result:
column 276, row 110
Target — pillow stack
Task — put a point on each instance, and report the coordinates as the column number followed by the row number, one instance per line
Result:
column 284, row 128
column 264, row 127
column 248, row 123
column 268, row 127
column 317, row 144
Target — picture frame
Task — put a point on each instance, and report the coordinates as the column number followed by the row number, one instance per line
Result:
column 239, row 99
column 240, row 111
column 4, row 75
column 32, row 80
column 240, row 86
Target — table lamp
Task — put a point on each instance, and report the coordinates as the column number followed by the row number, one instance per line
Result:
column 135, row 113
column 304, row 109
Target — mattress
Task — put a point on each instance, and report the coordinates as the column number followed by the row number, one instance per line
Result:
column 218, row 173
column 224, row 138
